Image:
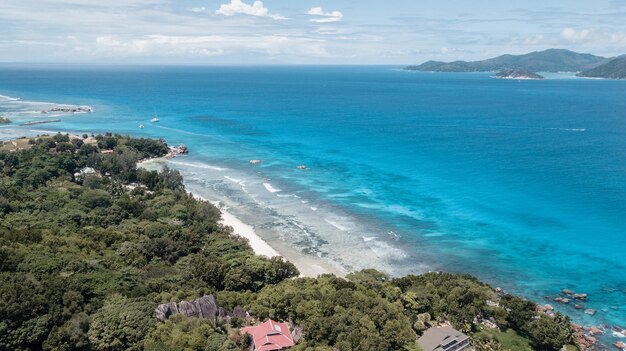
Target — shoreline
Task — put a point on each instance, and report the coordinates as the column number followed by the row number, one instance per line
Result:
column 308, row 265
column 312, row 266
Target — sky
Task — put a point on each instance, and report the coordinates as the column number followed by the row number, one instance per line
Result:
column 253, row 32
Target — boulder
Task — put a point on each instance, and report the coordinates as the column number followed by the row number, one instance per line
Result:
column 578, row 307
column 595, row 331
column 567, row 292
column 548, row 307
column 580, row 297
column 590, row 311
column 203, row 307
column 620, row 345
column 565, row 301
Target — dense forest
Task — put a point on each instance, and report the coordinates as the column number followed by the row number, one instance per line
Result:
column 90, row 245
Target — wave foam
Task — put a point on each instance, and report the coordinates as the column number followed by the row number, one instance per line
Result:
column 336, row 225
column 235, row 180
column 270, row 188
column 8, row 98
column 198, row 165
column 383, row 249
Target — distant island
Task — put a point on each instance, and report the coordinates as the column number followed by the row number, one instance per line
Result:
column 552, row 60
column 613, row 69
column 517, row 74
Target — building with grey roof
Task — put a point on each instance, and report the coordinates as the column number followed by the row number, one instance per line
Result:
column 444, row 339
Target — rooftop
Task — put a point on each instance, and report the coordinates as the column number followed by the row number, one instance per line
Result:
column 270, row 335
column 442, row 339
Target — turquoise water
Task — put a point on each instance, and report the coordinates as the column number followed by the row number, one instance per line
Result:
column 522, row 183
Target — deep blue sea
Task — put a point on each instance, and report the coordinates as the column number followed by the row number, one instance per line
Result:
column 521, row 183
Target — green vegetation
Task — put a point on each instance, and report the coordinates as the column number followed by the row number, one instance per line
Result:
column 85, row 259
column 518, row 74
column 613, row 69
column 552, row 60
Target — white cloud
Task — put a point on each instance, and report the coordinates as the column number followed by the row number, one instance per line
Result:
column 573, row 35
column 324, row 17
column 238, row 7
column 210, row 45
column 198, row 9
column 596, row 37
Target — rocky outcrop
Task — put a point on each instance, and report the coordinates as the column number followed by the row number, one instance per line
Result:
column 203, row 307
column 620, row 345
column 175, row 151
column 517, row 74
column 69, row 109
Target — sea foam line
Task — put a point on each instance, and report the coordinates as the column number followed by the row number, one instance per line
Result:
column 8, row 98
column 199, row 165
column 270, row 188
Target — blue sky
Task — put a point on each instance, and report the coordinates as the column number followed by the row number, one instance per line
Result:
column 302, row 31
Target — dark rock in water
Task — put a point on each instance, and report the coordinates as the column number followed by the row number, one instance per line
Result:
column 596, row 331
column 590, row 311
column 70, row 109
column 517, row 74
column 580, row 297
column 567, row 292
column 203, row 307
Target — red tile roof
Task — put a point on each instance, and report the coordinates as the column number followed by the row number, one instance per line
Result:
column 270, row 336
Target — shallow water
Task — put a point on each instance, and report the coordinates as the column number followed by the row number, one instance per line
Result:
column 521, row 183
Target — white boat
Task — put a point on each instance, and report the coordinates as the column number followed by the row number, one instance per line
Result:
column 141, row 126
column 154, row 120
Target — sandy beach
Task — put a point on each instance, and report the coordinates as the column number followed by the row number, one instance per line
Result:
column 308, row 265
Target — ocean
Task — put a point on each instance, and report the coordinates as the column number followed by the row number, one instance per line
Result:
column 521, row 183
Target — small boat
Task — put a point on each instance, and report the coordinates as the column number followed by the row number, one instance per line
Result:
column 301, row 167
column 155, row 119
column 141, row 126
column 255, row 162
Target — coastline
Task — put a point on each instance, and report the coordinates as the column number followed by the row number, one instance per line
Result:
column 308, row 265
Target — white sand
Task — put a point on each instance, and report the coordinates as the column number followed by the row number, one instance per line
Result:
column 309, row 266
column 259, row 245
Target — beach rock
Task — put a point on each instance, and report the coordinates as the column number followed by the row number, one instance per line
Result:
column 567, row 292
column 620, row 345
column 581, row 297
column 498, row 290
column 548, row 307
column 596, row 331
column 578, row 307
column 565, row 301
column 558, row 299
column 590, row 311
column 203, row 307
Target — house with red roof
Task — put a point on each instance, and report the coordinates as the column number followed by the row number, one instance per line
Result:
column 269, row 336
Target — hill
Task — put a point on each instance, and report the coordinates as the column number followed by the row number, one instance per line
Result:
column 613, row 69
column 552, row 60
